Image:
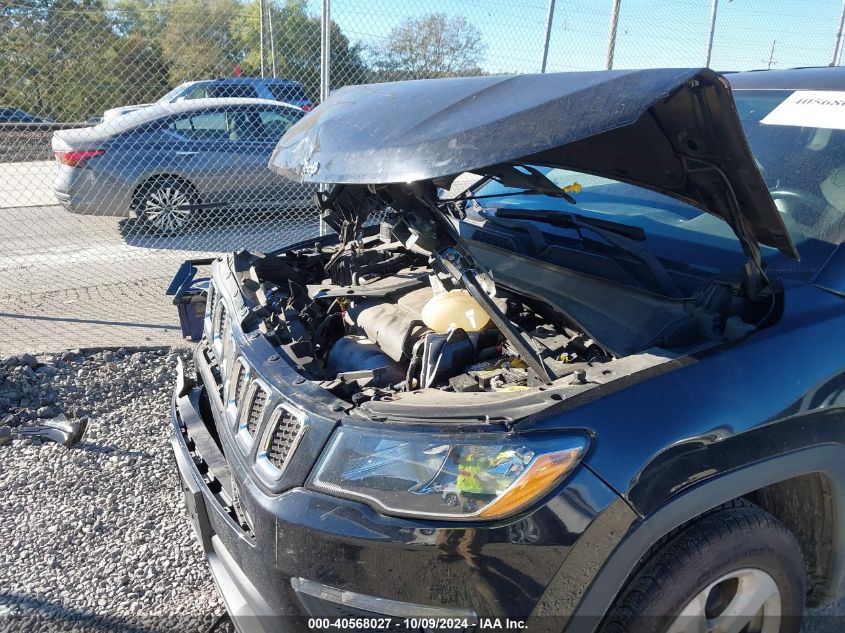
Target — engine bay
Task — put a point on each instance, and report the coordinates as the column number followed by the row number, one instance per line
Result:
column 406, row 308
column 376, row 319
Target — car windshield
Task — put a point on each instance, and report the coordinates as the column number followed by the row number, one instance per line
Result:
column 802, row 165
column 176, row 92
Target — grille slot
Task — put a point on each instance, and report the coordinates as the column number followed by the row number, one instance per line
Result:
column 211, row 295
column 240, row 384
column 287, row 431
column 227, row 322
column 226, row 333
column 256, row 410
column 219, row 318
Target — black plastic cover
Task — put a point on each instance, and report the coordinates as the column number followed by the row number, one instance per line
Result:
column 672, row 130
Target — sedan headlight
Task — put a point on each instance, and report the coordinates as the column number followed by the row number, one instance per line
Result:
column 446, row 476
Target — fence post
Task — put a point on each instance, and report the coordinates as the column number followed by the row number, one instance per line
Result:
column 549, row 18
column 611, row 36
column 713, row 9
column 325, row 49
column 836, row 49
column 272, row 41
column 325, row 67
column 261, row 32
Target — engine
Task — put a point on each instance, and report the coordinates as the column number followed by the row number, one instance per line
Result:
column 430, row 337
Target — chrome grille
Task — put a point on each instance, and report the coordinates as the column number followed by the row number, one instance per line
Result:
column 287, row 430
column 256, row 410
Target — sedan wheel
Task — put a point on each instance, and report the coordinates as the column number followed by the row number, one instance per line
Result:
column 167, row 207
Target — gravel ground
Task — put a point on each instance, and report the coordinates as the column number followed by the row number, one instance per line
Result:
column 95, row 537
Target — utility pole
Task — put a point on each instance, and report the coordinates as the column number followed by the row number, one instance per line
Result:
column 772, row 56
column 272, row 40
column 713, row 8
column 261, row 32
column 549, row 19
column 837, row 50
column 611, row 36
column 325, row 72
column 325, row 50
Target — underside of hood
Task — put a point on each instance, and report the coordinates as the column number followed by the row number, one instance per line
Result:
column 675, row 131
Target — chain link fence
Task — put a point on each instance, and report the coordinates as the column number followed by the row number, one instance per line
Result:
column 101, row 199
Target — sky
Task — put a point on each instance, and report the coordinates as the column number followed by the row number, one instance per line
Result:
column 651, row 33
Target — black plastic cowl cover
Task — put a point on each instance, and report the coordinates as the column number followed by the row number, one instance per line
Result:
column 672, row 130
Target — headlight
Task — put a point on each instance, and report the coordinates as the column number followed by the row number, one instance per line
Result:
column 448, row 476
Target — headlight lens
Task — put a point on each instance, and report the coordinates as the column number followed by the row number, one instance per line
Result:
column 478, row 476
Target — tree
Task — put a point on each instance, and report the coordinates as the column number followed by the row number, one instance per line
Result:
column 72, row 59
column 59, row 55
column 296, row 34
column 431, row 46
column 200, row 39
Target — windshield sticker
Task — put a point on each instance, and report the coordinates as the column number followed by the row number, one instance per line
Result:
column 810, row 108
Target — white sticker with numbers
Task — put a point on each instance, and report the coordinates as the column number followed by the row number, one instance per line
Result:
column 810, row 108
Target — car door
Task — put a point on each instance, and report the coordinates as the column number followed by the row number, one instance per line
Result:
column 201, row 148
column 259, row 128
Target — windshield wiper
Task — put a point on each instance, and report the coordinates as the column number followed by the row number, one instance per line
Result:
column 565, row 220
column 621, row 236
column 503, row 194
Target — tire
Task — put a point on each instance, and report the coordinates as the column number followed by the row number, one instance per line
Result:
column 160, row 206
column 737, row 555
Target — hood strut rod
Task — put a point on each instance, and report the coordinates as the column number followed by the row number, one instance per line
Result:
column 755, row 276
column 452, row 262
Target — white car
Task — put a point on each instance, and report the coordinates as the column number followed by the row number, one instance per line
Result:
column 283, row 90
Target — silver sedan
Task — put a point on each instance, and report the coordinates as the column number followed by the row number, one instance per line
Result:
column 170, row 163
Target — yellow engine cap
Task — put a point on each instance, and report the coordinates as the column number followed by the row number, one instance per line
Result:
column 454, row 309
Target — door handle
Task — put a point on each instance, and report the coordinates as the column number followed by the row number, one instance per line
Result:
column 187, row 153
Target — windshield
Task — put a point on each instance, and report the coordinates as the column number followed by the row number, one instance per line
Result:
column 803, row 167
column 176, row 92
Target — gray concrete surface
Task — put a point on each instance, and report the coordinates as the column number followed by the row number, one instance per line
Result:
column 71, row 281
column 27, row 184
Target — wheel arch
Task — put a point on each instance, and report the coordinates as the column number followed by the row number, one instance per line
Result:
column 776, row 485
column 806, row 504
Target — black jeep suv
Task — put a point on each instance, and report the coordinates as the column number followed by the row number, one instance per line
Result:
column 599, row 388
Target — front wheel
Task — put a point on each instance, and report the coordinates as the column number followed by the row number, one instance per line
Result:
column 738, row 570
column 166, row 206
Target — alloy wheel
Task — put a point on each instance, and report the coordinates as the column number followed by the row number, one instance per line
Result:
column 167, row 209
column 742, row 601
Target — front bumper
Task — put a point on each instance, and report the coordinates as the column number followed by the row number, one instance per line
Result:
column 207, row 515
column 282, row 559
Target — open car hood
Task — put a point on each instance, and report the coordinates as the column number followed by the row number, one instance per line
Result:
column 675, row 131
